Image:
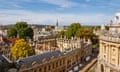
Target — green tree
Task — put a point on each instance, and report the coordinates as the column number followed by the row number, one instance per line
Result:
column 61, row 34
column 29, row 32
column 80, row 32
column 21, row 33
column 21, row 49
column 20, row 25
column 12, row 32
column 85, row 32
column 107, row 27
column 21, row 30
column 72, row 29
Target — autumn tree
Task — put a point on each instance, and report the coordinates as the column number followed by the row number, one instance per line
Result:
column 86, row 32
column 21, row 49
column 61, row 34
column 21, row 30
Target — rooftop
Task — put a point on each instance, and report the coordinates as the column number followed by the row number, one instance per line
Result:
column 38, row 58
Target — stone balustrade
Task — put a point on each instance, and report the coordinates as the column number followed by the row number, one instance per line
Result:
column 110, row 38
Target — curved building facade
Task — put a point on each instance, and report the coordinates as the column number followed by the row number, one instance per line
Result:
column 109, row 56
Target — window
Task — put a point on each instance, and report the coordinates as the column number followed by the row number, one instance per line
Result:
column 57, row 64
column 45, row 69
column 60, row 62
column 113, row 59
column 102, row 68
column 104, row 56
column 104, row 49
column 63, row 61
column 34, row 63
column 48, row 67
column 53, row 65
column 40, row 69
column 113, row 49
column 111, row 71
column 34, row 70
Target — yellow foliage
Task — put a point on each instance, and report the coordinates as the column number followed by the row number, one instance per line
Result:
column 21, row 49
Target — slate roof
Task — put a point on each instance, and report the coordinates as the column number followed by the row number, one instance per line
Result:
column 86, row 45
column 38, row 58
column 3, row 61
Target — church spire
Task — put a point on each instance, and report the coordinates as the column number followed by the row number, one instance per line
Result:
column 57, row 23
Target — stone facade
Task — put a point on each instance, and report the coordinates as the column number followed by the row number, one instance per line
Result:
column 62, row 63
column 109, row 56
column 55, row 61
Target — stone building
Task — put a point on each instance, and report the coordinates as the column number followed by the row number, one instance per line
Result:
column 65, row 44
column 43, row 48
column 54, row 61
column 73, row 43
column 49, row 41
column 109, row 56
column 47, row 62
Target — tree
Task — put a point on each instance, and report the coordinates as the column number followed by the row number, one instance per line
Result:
column 85, row 32
column 106, row 28
column 21, row 30
column 21, row 49
column 29, row 32
column 61, row 34
column 12, row 32
column 20, row 25
column 72, row 29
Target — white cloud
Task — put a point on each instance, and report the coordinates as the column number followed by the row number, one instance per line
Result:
column 10, row 4
column 13, row 16
column 18, row 4
column 13, row 4
column 61, row 3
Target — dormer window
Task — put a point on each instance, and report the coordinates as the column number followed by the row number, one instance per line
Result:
column 52, row 57
column 34, row 63
column 44, row 60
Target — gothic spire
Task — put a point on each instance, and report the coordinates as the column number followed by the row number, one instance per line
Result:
column 57, row 23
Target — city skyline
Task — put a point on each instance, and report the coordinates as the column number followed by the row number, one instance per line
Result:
column 86, row 12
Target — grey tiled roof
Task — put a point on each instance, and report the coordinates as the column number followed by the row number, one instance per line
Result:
column 3, row 61
column 86, row 45
column 38, row 58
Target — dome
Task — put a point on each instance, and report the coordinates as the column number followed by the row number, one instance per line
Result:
column 117, row 14
column 117, row 18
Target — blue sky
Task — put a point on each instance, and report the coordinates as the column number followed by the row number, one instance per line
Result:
column 87, row 12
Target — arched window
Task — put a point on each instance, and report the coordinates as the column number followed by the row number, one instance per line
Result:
column 102, row 68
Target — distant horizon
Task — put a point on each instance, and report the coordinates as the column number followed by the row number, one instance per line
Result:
column 86, row 12
column 48, row 25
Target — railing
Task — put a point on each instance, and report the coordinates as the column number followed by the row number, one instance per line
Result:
column 110, row 38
